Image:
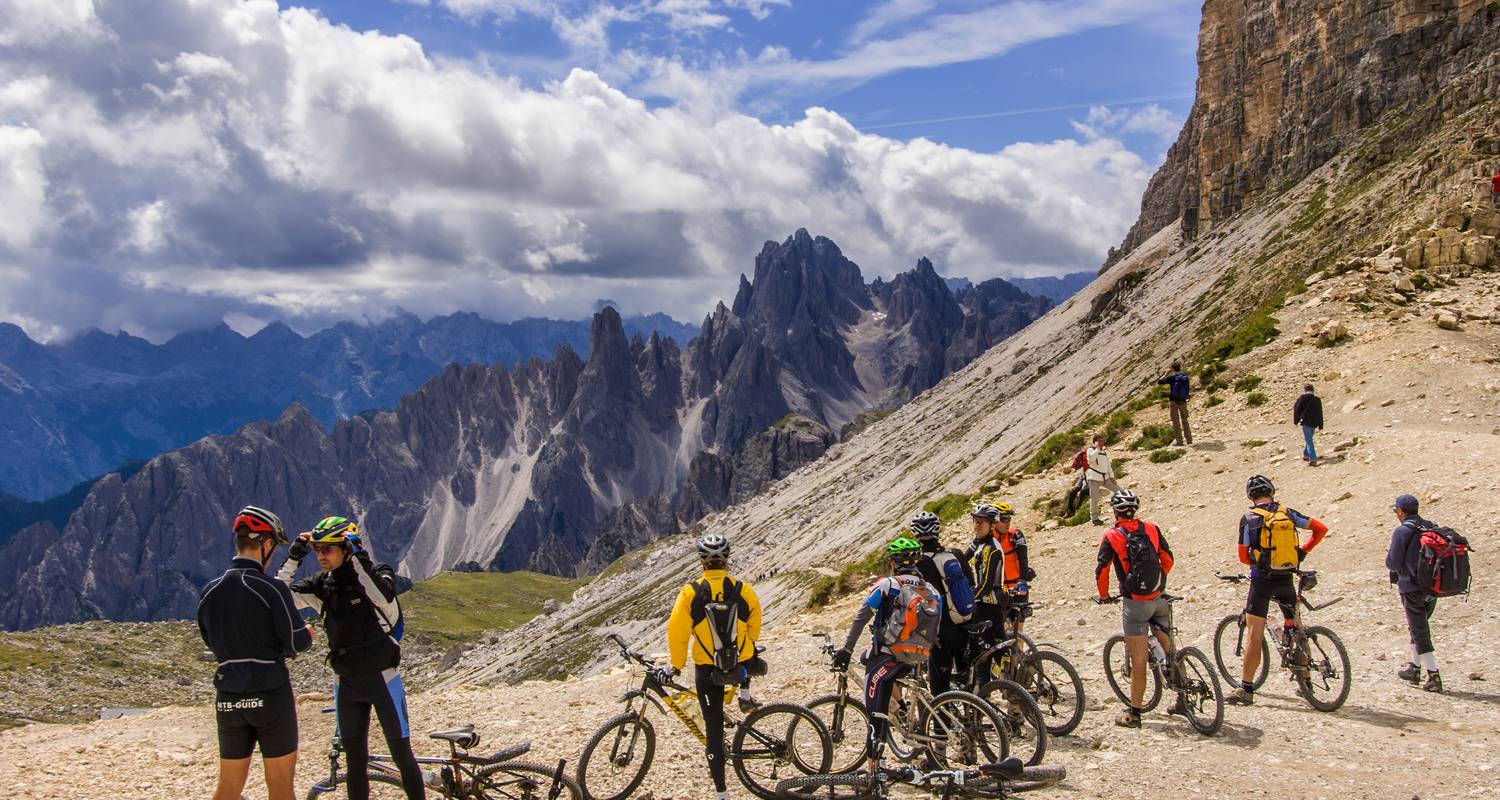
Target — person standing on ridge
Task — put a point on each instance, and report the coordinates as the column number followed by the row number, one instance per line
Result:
column 1141, row 559
column 1100, row 474
column 356, row 598
column 1401, row 559
column 1495, row 189
column 1268, row 544
column 1179, row 387
column 944, row 569
column 248, row 619
column 1308, row 412
column 719, row 618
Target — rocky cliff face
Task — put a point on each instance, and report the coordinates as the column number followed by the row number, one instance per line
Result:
column 76, row 409
column 555, row 466
column 1284, row 86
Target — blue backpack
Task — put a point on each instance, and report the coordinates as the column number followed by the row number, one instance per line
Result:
column 1181, row 386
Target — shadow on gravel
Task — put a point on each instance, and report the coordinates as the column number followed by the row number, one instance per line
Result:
column 1394, row 720
column 1246, row 736
column 1478, row 697
column 1211, row 446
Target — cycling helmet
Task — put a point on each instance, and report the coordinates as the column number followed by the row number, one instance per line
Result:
column 984, row 511
column 1259, row 486
column 1005, row 509
column 713, row 545
column 1124, row 502
column 257, row 522
column 333, row 530
column 925, row 525
column 904, row 550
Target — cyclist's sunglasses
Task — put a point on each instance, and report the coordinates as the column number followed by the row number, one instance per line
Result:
column 1003, row 518
column 324, row 549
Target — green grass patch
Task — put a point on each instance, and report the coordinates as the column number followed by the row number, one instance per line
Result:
column 1164, row 456
column 1247, row 383
column 1313, row 212
column 1255, row 399
column 852, row 577
column 786, row 420
column 1249, row 443
column 949, row 507
column 1215, row 400
column 457, row 606
column 15, row 656
column 1118, row 465
column 1153, row 437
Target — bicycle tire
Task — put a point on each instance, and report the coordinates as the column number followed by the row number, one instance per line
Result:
column 1321, row 661
column 969, row 717
column 848, row 733
column 1199, row 684
column 545, row 773
column 842, row 786
column 1032, row 778
column 1062, row 717
column 758, row 738
column 318, row 789
column 1020, row 713
column 647, row 734
column 1229, row 627
column 1122, row 663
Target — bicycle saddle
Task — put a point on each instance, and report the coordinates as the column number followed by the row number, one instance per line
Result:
column 464, row 737
column 1009, row 767
column 978, row 626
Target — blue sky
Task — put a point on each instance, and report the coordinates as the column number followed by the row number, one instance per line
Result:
column 168, row 164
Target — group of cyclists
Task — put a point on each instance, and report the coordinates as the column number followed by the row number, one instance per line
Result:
column 251, row 623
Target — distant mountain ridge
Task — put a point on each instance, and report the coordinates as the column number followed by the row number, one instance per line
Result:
column 555, row 466
column 73, row 410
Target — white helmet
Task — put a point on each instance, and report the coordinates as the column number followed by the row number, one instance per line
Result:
column 713, row 545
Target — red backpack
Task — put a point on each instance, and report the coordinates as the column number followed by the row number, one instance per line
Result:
column 1443, row 562
column 1081, row 460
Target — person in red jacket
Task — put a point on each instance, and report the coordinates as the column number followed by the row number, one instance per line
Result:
column 1495, row 189
column 1268, row 580
column 1144, row 611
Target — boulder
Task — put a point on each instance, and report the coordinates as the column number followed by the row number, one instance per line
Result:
column 1485, row 222
column 1403, row 284
column 1478, row 251
column 1447, row 320
column 1452, row 218
column 1333, row 332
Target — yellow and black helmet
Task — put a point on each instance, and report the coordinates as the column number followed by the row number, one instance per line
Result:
column 333, row 530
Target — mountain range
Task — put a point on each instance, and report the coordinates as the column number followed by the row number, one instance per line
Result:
column 554, row 465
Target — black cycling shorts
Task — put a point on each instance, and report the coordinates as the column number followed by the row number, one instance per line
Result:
column 1275, row 586
column 268, row 717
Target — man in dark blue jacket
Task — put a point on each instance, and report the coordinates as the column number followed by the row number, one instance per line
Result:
column 1179, row 387
column 1308, row 412
column 1401, row 560
column 944, row 569
column 249, row 621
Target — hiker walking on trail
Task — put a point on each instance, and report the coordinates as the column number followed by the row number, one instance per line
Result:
column 249, row 620
column 1308, row 412
column 1403, row 560
column 1179, row 386
column 1100, row 474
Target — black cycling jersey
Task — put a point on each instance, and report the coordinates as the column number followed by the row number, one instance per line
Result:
column 358, row 605
column 249, row 621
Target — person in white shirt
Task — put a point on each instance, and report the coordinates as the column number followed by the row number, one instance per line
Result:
column 1100, row 474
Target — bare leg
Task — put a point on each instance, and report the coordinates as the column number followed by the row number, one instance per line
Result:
column 1255, row 634
column 279, row 772
column 1136, row 646
column 233, row 773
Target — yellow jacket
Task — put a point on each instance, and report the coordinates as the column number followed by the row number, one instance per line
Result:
column 681, row 630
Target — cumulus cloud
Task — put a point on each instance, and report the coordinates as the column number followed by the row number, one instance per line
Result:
column 1149, row 120
column 257, row 162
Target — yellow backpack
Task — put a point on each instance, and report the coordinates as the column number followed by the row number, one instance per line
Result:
column 1277, row 548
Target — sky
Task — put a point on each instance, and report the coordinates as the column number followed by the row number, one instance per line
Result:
column 167, row 164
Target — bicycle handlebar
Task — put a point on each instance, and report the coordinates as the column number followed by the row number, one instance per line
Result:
column 630, row 655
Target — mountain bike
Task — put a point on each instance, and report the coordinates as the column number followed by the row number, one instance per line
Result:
column 1025, row 727
column 953, row 729
column 998, row 780
column 1314, row 656
column 771, row 739
column 461, row 775
column 1185, row 671
column 1039, row 668
column 845, row 715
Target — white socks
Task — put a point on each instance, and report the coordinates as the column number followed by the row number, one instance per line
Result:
column 1413, row 658
column 1428, row 661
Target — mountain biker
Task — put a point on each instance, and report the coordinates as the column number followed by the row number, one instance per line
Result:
column 1268, row 581
column 999, row 560
column 1141, row 613
column 945, row 570
column 356, row 598
column 691, row 626
column 249, row 621
column 1401, row 559
column 881, row 667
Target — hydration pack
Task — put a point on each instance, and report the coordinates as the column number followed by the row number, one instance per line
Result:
column 911, row 629
column 1276, row 550
column 723, row 613
column 1443, row 562
column 1143, row 575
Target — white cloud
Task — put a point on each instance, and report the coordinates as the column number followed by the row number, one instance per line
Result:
column 886, row 14
column 1150, row 120
column 266, row 163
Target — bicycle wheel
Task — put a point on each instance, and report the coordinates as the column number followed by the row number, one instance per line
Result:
column 525, row 780
column 961, row 730
column 382, row 787
column 628, row 744
column 1325, row 680
column 847, row 786
column 1198, row 688
column 848, row 729
column 1025, row 727
column 776, row 741
column 1055, row 686
column 1229, row 652
column 1031, row 778
column 1117, row 670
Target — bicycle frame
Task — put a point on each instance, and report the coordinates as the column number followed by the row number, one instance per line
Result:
column 655, row 694
column 1306, row 581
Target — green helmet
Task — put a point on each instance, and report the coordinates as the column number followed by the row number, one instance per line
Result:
column 903, row 549
column 333, row 530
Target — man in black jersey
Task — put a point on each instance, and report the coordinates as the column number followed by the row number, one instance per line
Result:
column 249, row 621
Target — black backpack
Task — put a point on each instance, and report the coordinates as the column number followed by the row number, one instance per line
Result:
column 723, row 614
column 1144, row 575
column 1442, row 561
